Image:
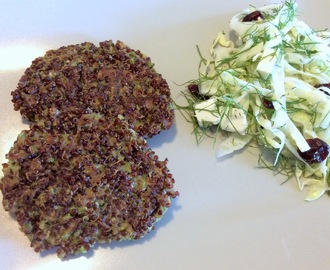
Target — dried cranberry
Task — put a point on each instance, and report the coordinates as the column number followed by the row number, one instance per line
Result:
column 193, row 89
column 318, row 152
column 267, row 104
column 327, row 85
column 254, row 16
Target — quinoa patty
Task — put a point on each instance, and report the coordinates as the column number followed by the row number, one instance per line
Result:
column 101, row 184
column 111, row 79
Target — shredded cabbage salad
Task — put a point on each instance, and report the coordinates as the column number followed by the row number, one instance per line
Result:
column 270, row 85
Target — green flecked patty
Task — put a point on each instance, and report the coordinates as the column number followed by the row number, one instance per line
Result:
column 100, row 184
column 111, row 79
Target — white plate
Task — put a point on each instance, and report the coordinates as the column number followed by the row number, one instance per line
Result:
column 229, row 215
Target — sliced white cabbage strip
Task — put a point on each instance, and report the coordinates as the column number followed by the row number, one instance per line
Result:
column 277, row 59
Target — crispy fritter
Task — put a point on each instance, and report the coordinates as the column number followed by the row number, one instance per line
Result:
column 111, row 79
column 101, row 184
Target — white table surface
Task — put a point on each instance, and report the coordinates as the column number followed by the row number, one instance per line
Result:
column 229, row 215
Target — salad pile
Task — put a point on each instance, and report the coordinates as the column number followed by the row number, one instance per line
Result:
column 269, row 85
